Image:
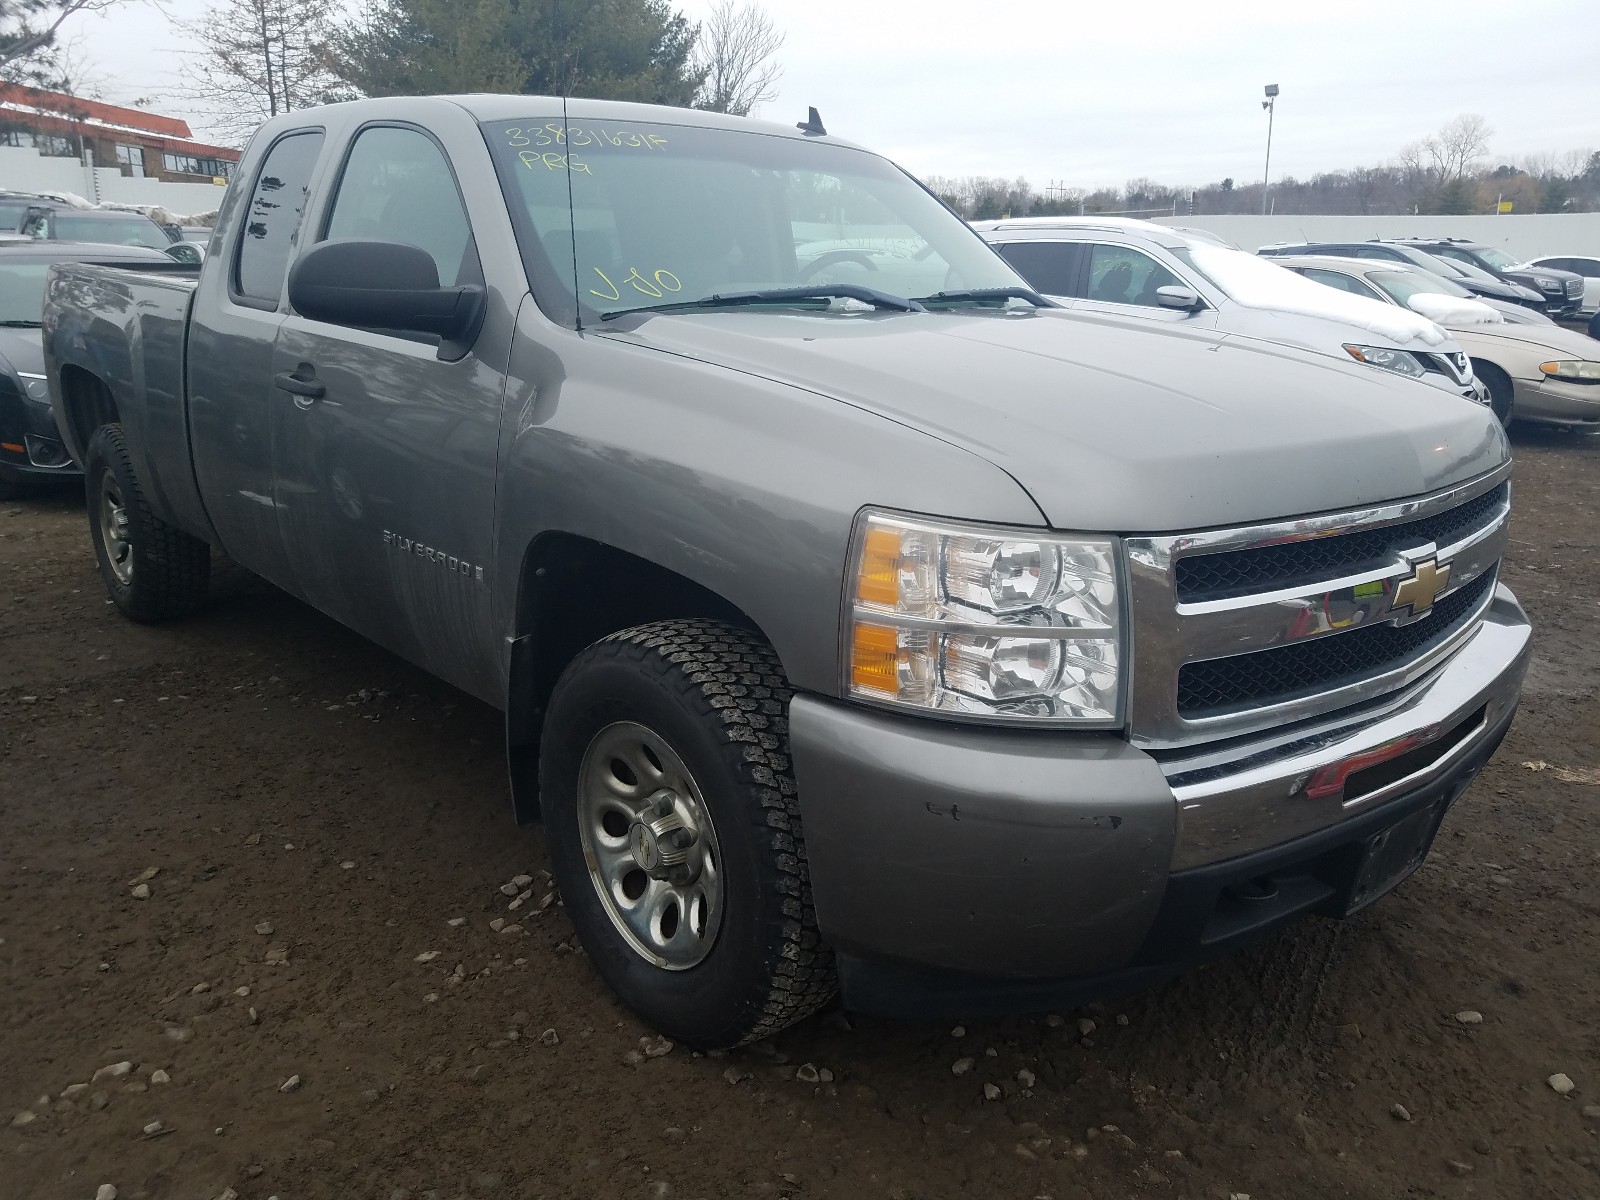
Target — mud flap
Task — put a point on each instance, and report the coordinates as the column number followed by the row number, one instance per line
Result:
column 524, row 717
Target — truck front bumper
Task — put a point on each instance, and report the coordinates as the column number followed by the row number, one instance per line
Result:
column 959, row 870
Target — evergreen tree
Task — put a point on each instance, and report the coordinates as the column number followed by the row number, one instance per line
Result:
column 610, row 49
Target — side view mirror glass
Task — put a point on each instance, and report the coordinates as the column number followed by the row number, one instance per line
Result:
column 186, row 252
column 1181, row 298
column 392, row 286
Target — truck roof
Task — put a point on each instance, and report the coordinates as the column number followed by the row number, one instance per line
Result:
column 488, row 106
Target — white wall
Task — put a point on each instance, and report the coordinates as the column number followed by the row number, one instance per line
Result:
column 24, row 169
column 1524, row 236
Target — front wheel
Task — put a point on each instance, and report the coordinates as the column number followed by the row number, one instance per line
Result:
column 153, row 571
column 1499, row 385
column 674, row 831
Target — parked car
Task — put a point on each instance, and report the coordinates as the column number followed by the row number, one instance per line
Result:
column 31, row 449
column 948, row 648
column 1588, row 268
column 107, row 226
column 1562, row 290
column 1550, row 375
column 14, row 208
column 1481, row 283
column 1141, row 269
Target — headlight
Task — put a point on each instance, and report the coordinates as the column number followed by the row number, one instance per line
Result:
column 1004, row 624
column 1550, row 285
column 1390, row 360
column 1572, row 368
column 37, row 386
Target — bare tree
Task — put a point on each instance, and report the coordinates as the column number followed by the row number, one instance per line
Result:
column 30, row 37
column 1456, row 148
column 735, row 51
column 259, row 58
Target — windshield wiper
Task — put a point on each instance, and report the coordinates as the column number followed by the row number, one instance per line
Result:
column 826, row 291
column 21, row 324
column 981, row 295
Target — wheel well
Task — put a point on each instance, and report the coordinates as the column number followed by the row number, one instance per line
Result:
column 572, row 592
column 88, row 402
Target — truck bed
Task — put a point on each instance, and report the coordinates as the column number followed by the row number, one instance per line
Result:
column 129, row 328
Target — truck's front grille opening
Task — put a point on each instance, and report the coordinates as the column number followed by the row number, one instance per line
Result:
column 1283, row 673
column 1376, row 778
column 1265, row 568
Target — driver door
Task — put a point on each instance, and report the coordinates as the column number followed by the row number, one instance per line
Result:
column 386, row 442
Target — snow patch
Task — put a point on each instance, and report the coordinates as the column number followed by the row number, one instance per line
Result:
column 1260, row 283
column 1453, row 310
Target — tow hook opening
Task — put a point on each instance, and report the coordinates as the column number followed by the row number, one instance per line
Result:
column 1251, row 890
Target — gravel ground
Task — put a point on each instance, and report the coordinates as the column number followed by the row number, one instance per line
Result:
column 250, row 869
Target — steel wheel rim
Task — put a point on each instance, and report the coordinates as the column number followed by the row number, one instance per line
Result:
column 627, row 770
column 114, row 530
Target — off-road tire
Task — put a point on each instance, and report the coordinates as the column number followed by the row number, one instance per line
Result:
column 1499, row 385
column 718, row 696
column 170, row 570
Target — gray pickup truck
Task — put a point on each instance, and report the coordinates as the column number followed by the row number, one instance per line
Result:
column 862, row 622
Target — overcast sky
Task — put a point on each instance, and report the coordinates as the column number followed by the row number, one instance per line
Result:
column 1096, row 94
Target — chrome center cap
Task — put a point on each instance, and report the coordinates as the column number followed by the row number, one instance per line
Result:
column 660, row 840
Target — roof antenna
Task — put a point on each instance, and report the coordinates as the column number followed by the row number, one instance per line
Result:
column 572, row 212
column 812, row 125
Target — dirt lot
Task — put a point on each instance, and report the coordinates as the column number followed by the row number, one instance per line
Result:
column 303, row 796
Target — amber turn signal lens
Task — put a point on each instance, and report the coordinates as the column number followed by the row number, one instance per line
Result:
column 879, row 579
column 875, row 658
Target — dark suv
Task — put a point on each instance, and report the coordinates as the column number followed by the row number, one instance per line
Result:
column 1479, row 281
column 1562, row 290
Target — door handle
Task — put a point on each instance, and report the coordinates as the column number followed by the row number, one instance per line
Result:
column 298, row 385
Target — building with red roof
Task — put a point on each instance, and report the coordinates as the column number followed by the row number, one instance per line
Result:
column 141, row 144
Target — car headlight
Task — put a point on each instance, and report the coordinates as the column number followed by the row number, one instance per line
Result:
column 1400, row 361
column 1012, row 625
column 1550, row 285
column 1572, row 368
column 37, row 386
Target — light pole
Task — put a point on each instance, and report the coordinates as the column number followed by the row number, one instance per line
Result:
column 1269, row 104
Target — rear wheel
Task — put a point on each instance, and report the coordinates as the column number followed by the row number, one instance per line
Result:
column 153, row 571
column 674, row 831
column 1499, row 385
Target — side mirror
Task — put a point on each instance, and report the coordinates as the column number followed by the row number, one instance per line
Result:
column 1181, row 298
column 186, row 252
column 391, row 286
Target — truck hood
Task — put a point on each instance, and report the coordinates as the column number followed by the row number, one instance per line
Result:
column 1116, row 425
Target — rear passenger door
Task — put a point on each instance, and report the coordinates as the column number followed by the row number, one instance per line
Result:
column 231, row 337
column 386, row 451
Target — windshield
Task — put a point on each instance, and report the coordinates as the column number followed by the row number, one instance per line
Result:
column 662, row 213
column 22, row 292
column 11, row 214
column 132, row 232
column 1402, row 285
column 1498, row 259
column 1464, row 269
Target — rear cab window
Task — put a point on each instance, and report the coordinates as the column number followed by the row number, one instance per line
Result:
column 272, row 221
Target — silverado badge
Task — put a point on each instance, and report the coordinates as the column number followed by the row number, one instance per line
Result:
column 1418, row 590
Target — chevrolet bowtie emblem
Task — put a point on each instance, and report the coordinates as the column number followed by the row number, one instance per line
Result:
column 1418, row 590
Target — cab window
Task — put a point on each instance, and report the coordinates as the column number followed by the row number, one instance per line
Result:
column 398, row 187
column 1120, row 275
column 1050, row 267
column 272, row 222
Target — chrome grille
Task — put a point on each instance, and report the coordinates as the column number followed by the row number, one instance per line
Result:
column 1286, row 672
column 1244, row 629
column 1574, row 289
column 1265, row 568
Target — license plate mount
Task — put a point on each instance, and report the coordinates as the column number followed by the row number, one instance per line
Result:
column 1391, row 855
